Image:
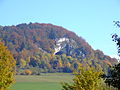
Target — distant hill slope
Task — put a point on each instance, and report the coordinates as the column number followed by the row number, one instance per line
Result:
column 49, row 48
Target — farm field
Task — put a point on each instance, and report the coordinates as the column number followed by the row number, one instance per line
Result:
column 48, row 81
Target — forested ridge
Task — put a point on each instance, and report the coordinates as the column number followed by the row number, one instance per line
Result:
column 39, row 47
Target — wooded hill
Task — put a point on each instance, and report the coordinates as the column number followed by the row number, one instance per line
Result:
column 41, row 47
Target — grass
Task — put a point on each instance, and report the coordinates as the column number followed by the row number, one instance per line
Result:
column 48, row 81
column 36, row 86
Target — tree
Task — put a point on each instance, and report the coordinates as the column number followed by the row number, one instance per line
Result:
column 7, row 67
column 114, row 77
column 59, row 65
column 85, row 79
column 22, row 63
column 116, row 38
column 28, row 72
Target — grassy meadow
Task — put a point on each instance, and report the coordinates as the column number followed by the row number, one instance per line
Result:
column 48, row 81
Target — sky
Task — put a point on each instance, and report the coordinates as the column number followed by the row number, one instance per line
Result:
column 90, row 19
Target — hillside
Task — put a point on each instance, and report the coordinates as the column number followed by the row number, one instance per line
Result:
column 48, row 48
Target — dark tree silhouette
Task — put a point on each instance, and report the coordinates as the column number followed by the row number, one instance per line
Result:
column 113, row 79
column 115, row 37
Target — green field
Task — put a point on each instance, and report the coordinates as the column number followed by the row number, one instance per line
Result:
column 49, row 81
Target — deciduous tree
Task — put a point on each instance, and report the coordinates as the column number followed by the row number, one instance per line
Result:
column 22, row 63
column 85, row 79
column 7, row 67
column 114, row 77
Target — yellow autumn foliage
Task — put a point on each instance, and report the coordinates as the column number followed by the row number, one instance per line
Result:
column 7, row 68
column 86, row 78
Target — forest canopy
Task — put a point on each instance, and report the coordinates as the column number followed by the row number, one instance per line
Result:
column 48, row 48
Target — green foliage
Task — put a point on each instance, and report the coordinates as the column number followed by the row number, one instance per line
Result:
column 85, row 79
column 7, row 67
column 114, row 77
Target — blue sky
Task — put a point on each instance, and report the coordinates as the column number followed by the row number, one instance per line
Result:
column 91, row 19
